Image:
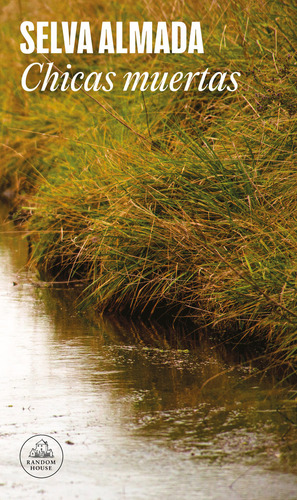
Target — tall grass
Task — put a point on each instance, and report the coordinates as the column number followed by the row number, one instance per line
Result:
column 199, row 219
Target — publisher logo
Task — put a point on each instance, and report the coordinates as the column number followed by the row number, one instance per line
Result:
column 41, row 456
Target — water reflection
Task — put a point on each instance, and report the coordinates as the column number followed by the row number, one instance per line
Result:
column 129, row 398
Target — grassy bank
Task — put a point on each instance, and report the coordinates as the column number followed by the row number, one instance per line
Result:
column 198, row 217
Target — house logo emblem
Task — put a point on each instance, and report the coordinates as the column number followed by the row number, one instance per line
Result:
column 41, row 456
column 41, row 450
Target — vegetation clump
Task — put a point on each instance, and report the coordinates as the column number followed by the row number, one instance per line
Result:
column 183, row 200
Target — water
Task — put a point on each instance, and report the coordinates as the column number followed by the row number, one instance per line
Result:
column 132, row 416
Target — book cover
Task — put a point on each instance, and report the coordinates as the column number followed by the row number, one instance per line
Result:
column 148, row 250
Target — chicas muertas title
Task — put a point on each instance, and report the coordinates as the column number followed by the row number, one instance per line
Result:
column 116, row 38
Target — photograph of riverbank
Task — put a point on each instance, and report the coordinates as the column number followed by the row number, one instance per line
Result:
column 148, row 247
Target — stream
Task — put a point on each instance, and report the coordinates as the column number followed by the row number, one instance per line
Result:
column 139, row 412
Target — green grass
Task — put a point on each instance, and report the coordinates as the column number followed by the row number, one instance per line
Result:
column 204, row 224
